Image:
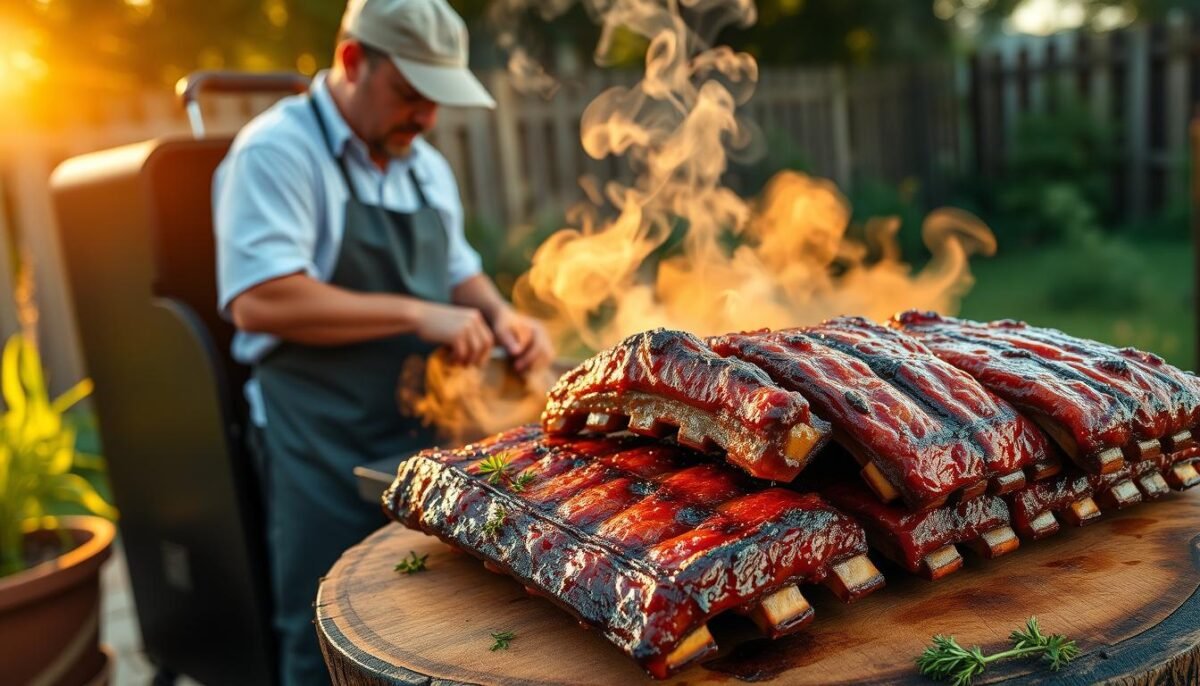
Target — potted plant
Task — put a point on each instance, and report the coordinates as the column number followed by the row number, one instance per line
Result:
column 49, row 561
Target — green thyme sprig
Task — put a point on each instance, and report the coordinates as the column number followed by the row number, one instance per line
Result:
column 523, row 480
column 495, row 521
column 502, row 639
column 412, row 564
column 946, row 660
column 1056, row 649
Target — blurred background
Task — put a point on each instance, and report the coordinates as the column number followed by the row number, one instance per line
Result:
column 1062, row 124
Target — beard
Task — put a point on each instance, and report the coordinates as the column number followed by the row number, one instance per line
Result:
column 395, row 142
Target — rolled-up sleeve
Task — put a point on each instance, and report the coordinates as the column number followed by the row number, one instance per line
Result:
column 265, row 217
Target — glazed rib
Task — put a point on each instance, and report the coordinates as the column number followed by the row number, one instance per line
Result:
column 925, row 542
column 1101, row 404
column 922, row 429
column 1079, row 498
column 655, row 381
column 636, row 538
column 1007, row 441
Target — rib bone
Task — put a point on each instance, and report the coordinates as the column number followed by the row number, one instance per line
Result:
column 941, row 562
column 854, row 578
column 695, row 646
column 782, row 612
column 1081, row 512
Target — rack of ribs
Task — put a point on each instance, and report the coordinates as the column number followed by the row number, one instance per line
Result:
column 642, row 540
column 658, row 382
column 920, row 428
column 1079, row 498
column 925, row 542
column 1101, row 404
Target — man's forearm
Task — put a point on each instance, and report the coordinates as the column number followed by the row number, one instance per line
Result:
column 479, row 292
column 304, row 310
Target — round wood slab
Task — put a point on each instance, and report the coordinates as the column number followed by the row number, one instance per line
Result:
column 1125, row 588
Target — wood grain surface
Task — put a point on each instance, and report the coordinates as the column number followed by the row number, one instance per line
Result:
column 1125, row 588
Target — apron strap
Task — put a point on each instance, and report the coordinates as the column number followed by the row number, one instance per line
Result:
column 416, row 182
column 341, row 163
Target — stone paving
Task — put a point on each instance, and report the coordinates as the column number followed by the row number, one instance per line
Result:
column 119, row 629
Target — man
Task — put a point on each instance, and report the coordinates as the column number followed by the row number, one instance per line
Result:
column 340, row 255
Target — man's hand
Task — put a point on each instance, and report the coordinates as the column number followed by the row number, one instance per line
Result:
column 463, row 330
column 525, row 339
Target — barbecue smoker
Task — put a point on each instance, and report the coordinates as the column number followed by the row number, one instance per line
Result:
column 135, row 226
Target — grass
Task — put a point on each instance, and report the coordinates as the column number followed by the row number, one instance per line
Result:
column 1019, row 286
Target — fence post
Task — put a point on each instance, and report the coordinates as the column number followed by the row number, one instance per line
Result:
column 511, row 180
column 1136, row 132
column 1178, row 75
column 843, row 162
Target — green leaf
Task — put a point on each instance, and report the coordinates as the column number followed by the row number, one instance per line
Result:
column 74, row 489
column 89, row 462
column 72, row 396
column 10, row 384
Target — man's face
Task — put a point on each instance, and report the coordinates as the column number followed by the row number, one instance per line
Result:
column 390, row 112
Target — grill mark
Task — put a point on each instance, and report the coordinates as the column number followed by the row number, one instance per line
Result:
column 644, row 488
column 1049, row 366
column 781, row 351
column 887, row 369
column 1024, row 449
column 645, row 601
column 1179, row 399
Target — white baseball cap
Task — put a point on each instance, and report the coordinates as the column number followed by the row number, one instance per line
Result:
column 427, row 42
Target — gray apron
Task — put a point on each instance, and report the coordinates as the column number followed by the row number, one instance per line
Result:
column 331, row 408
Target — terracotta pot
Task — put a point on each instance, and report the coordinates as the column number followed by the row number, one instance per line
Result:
column 50, row 613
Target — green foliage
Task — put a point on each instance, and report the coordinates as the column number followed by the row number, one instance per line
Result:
column 37, row 453
column 1018, row 284
column 1059, row 169
column 1104, row 269
column 507, row 254
column 871, row 199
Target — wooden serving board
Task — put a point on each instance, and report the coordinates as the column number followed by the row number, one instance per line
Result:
column 1125, row 588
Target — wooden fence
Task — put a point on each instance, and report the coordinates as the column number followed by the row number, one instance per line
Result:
column 514, row 163
column 1141, row 81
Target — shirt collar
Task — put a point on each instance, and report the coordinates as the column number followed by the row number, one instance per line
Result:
column 340, row 133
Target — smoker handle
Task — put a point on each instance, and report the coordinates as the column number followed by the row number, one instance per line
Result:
column 189, row 88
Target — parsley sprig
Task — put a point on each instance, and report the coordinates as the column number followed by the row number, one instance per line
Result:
column 412, row 564
column 502, row 639
column 946, row 660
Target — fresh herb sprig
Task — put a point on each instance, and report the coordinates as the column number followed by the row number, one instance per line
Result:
column 523, row 480
column 495, row 521
column 499, row 471
column 946, row 660
column 496, row 468
column 412, row 564
column 502, row 639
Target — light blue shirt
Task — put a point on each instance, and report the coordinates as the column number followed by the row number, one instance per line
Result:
column 279, row 204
